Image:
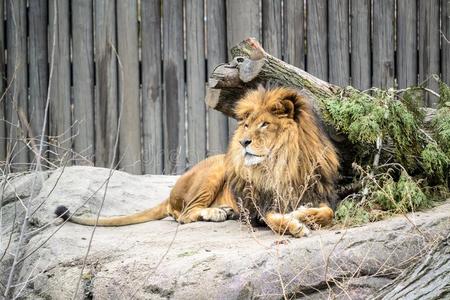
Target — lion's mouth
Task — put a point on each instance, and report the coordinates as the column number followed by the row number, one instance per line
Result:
column 251, row 159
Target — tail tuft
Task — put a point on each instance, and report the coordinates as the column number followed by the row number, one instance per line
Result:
column 62, row 212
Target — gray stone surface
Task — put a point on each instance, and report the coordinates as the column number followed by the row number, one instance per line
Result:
column 164, row 260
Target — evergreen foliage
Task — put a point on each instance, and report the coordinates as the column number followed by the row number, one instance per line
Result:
column 403, row 161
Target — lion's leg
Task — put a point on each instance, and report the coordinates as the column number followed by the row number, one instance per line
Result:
column 286, row 223
column 214, row 207
column 322, row 215
column 223, row 207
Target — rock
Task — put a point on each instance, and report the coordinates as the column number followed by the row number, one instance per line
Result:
column 229, row 260
column 19, row 185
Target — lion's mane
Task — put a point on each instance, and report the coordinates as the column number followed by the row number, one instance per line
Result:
column 303, row 163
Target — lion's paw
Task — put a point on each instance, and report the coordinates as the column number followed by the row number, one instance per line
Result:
column 214, row 214
column 314, row 217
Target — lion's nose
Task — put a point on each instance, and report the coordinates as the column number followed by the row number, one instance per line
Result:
column 245, row 142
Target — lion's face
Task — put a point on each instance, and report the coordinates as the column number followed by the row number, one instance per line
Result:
column 257, row 134
column 266, row 120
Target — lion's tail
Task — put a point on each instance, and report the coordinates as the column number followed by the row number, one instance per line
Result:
column 155, row 213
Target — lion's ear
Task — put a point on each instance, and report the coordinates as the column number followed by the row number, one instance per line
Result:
column 290, row 105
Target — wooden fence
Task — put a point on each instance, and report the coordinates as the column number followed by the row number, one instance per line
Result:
column 125, row 80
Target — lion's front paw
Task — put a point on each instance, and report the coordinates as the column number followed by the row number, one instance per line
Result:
column 313, row 216
column 214, row 214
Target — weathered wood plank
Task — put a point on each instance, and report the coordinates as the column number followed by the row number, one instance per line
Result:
column 361, row 67
column 60, row 110
column 445, row 40
column 317, row 37
column 406, row 43
column 196, row 78
column 243, row 20
column 106, row 103
column 17, row 96
column 153, row 148
column 338, row 39
column 217, row 53
column 83, row 80
column 130, row 124
column 383, row 44
column 294, row 33
column 3, row 140
column 38, row 69
column 174, row 98
column 429, row 46
column 271, row 26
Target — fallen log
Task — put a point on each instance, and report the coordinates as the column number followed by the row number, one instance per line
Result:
column 251, row 66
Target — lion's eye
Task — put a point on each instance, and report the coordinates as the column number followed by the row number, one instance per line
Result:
column 264, row 124
column 245, row 125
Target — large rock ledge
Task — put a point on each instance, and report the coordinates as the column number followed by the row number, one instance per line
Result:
column 162, row 260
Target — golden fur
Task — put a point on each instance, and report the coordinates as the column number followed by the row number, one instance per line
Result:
column 278, row 159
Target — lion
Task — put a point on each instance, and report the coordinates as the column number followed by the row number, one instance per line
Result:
column 278, row 160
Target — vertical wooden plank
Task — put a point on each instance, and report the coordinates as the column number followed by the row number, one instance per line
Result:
column 38, row 68
column 338, row 33
column 130, row 126
column 60, row 110
column 217, row 54
column 406, row 43
column 3, row 140
column 17, row 96
column 271, row 26
column 153, row 147
column 83, row 79
column 294, row 33
column 243, row 21
column 317, row 37
column 361, row 71
column 106, row 103
column 174, row 102
column 445, row 40
column 195, row 85
column 429, row 46
column 383, row 44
